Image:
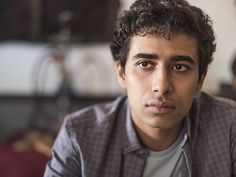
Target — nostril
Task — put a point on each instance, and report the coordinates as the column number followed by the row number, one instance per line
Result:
column 163, row 89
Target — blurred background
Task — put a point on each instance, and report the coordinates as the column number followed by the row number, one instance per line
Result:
column 55, row 58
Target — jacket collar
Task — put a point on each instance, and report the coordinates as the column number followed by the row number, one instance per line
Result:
column 130, row 138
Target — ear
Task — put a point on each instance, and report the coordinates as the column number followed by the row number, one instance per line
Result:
column 120, row 73
column 200, row 82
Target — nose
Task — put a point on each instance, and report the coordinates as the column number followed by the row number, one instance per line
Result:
column 162, row 82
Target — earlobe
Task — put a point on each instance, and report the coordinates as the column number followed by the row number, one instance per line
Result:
column 120, row 73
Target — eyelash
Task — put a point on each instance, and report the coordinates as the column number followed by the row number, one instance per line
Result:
column 183, row 67
column 151, row 65
column 148, row 64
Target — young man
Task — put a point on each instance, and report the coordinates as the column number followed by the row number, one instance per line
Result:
column 164, row 127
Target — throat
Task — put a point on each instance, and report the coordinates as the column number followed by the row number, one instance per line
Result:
column 158, row 140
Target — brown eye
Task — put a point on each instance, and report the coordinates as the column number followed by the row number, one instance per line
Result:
column 144, row 64
column 179, row 67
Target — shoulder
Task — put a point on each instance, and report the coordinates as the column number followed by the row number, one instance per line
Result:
column 211, row 102
column 94, row 117
column 215, row 108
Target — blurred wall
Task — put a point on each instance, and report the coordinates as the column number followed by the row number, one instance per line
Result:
column 27, row 68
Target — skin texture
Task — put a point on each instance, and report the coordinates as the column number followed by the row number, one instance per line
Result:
column 161, row 78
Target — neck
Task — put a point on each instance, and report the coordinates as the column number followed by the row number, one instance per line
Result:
column 157, row 139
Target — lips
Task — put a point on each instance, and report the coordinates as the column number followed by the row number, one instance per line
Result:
column 160, row 107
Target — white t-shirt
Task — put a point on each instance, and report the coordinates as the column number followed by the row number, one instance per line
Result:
column 166, row 163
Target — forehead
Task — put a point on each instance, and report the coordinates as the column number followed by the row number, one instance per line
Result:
column 178, row 44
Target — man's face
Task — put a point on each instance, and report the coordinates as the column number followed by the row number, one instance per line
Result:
column 161, row 78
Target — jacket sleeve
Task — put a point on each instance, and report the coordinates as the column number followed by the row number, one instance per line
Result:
column 65, row 161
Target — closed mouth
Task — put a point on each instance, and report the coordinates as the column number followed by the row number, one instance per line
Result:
column 160, row 107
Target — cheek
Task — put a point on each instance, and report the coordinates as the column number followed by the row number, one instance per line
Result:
column 137, row 85
column 133, row 80
column 137, row 90
column 186, row 93
column 188, row 86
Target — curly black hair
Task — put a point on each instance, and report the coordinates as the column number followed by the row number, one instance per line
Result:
column 164, row 18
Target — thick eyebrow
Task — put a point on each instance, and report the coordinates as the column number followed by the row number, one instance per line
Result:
column 184, row 58
column 146, row 56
